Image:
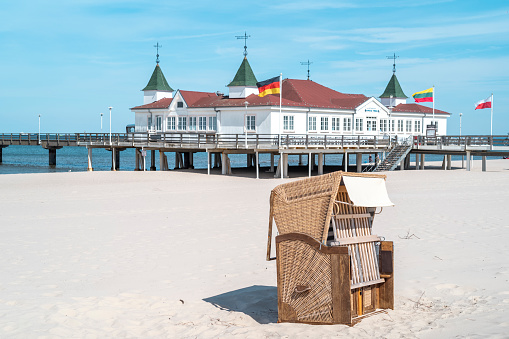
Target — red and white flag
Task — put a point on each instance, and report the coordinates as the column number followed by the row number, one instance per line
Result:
column 486, row 103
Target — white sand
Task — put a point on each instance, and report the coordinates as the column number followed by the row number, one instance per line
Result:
column 182, row 255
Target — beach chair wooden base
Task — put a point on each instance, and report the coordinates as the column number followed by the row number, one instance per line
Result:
column 314, row 284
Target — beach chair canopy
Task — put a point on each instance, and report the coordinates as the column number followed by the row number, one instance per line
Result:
column 367, row 191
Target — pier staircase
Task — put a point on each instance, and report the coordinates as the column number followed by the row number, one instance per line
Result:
column 394, row 157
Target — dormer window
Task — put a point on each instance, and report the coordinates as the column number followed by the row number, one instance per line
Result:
column 180, row 104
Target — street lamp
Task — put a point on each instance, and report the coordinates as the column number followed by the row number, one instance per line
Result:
column 462, row 157
column 460, row 123
column 110, row 122
column 39, row 134
column 101, row 122
column 245, row 123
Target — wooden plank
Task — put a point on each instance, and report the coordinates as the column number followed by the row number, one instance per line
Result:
column 359, row 239
column 280, row 314
column 341, row 308
column 351, row 216
column 387, row 289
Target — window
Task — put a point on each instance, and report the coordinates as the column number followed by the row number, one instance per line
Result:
column 383, row 125
column 324, row 123
column 400, row 125
column 212, row 123
column 202, row 123
column 288, row 123
column 335, row 124
column 371, row 124
column 180, row 104
column 192, row 123
column 409, row 125
column 182, row 123
column 312, row 123
column 250, row 122
column 170, row 124
column 359, row 124
column 347, row 124
column 159, row 123
column 417, row 126
column 391, row 125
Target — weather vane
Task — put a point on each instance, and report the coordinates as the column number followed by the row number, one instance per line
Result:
column 306, row 63
column 394, row 57
column 157, row 55
column 245, row 37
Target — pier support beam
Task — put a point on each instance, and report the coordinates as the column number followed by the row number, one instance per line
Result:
column 422, row 161
column 90, row 168
column 137, row 159
column 449, row 162
column 152, row 160
column 309, row 164
column 469, row 162
column 113, row 159
column 358, row 162
column 1, row 148
column 416, row 162
column 320, row 163
column 271, row 163
column 345, row 162
column 257, row 158
column 209, row 160
column 163, row 161
column 484, row 163
column 53, row 155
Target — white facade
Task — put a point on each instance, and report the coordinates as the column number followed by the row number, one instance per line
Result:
column 371, row 118
column 242, row 91
column 153, row 95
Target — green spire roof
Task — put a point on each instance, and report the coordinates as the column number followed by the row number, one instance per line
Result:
column 393, row 89
column 157, row 81
column 244, row 76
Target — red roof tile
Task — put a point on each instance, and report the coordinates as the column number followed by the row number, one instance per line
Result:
column 161, row 103
column 416, row 108
column 192, row 96
column 297, row 93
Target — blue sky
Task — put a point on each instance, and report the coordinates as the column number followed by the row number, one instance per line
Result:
column 70, row 60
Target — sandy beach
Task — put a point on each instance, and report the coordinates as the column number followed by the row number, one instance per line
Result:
column 182, row 255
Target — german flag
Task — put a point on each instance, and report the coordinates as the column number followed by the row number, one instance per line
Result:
column 270, row 86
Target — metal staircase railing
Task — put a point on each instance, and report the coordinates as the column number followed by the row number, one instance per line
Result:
column 395, row 156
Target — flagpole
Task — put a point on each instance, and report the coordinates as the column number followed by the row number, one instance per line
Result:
column 491, row 114
column 279, row 124
column 434, row 125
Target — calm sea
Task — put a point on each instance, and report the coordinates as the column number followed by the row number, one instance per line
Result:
column 34, row 159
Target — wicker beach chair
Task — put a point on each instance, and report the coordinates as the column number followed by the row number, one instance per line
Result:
column 330, row 268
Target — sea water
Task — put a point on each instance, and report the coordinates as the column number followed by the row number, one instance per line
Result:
column 35, row 159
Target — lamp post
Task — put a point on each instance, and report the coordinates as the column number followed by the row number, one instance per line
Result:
column 462, row 157
column 110, row 122
column 101, row 122
column 245, row 119
column 39, row 134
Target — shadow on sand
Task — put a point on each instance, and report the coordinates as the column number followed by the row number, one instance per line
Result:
column 258, row 302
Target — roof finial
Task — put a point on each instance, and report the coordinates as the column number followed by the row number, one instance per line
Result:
column 245, row 37
column 394, row 64
column 306, row 63
column 157, row 55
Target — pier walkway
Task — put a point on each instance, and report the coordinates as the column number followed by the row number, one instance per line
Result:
column 218, row 146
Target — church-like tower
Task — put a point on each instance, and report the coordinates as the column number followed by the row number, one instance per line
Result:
column 244, row 83
column 157, row 87
column 393, row 94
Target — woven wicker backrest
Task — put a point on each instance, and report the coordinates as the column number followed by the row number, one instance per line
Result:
column 305, row 206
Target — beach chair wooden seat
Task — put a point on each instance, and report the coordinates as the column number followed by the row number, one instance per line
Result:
column 331, row 269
